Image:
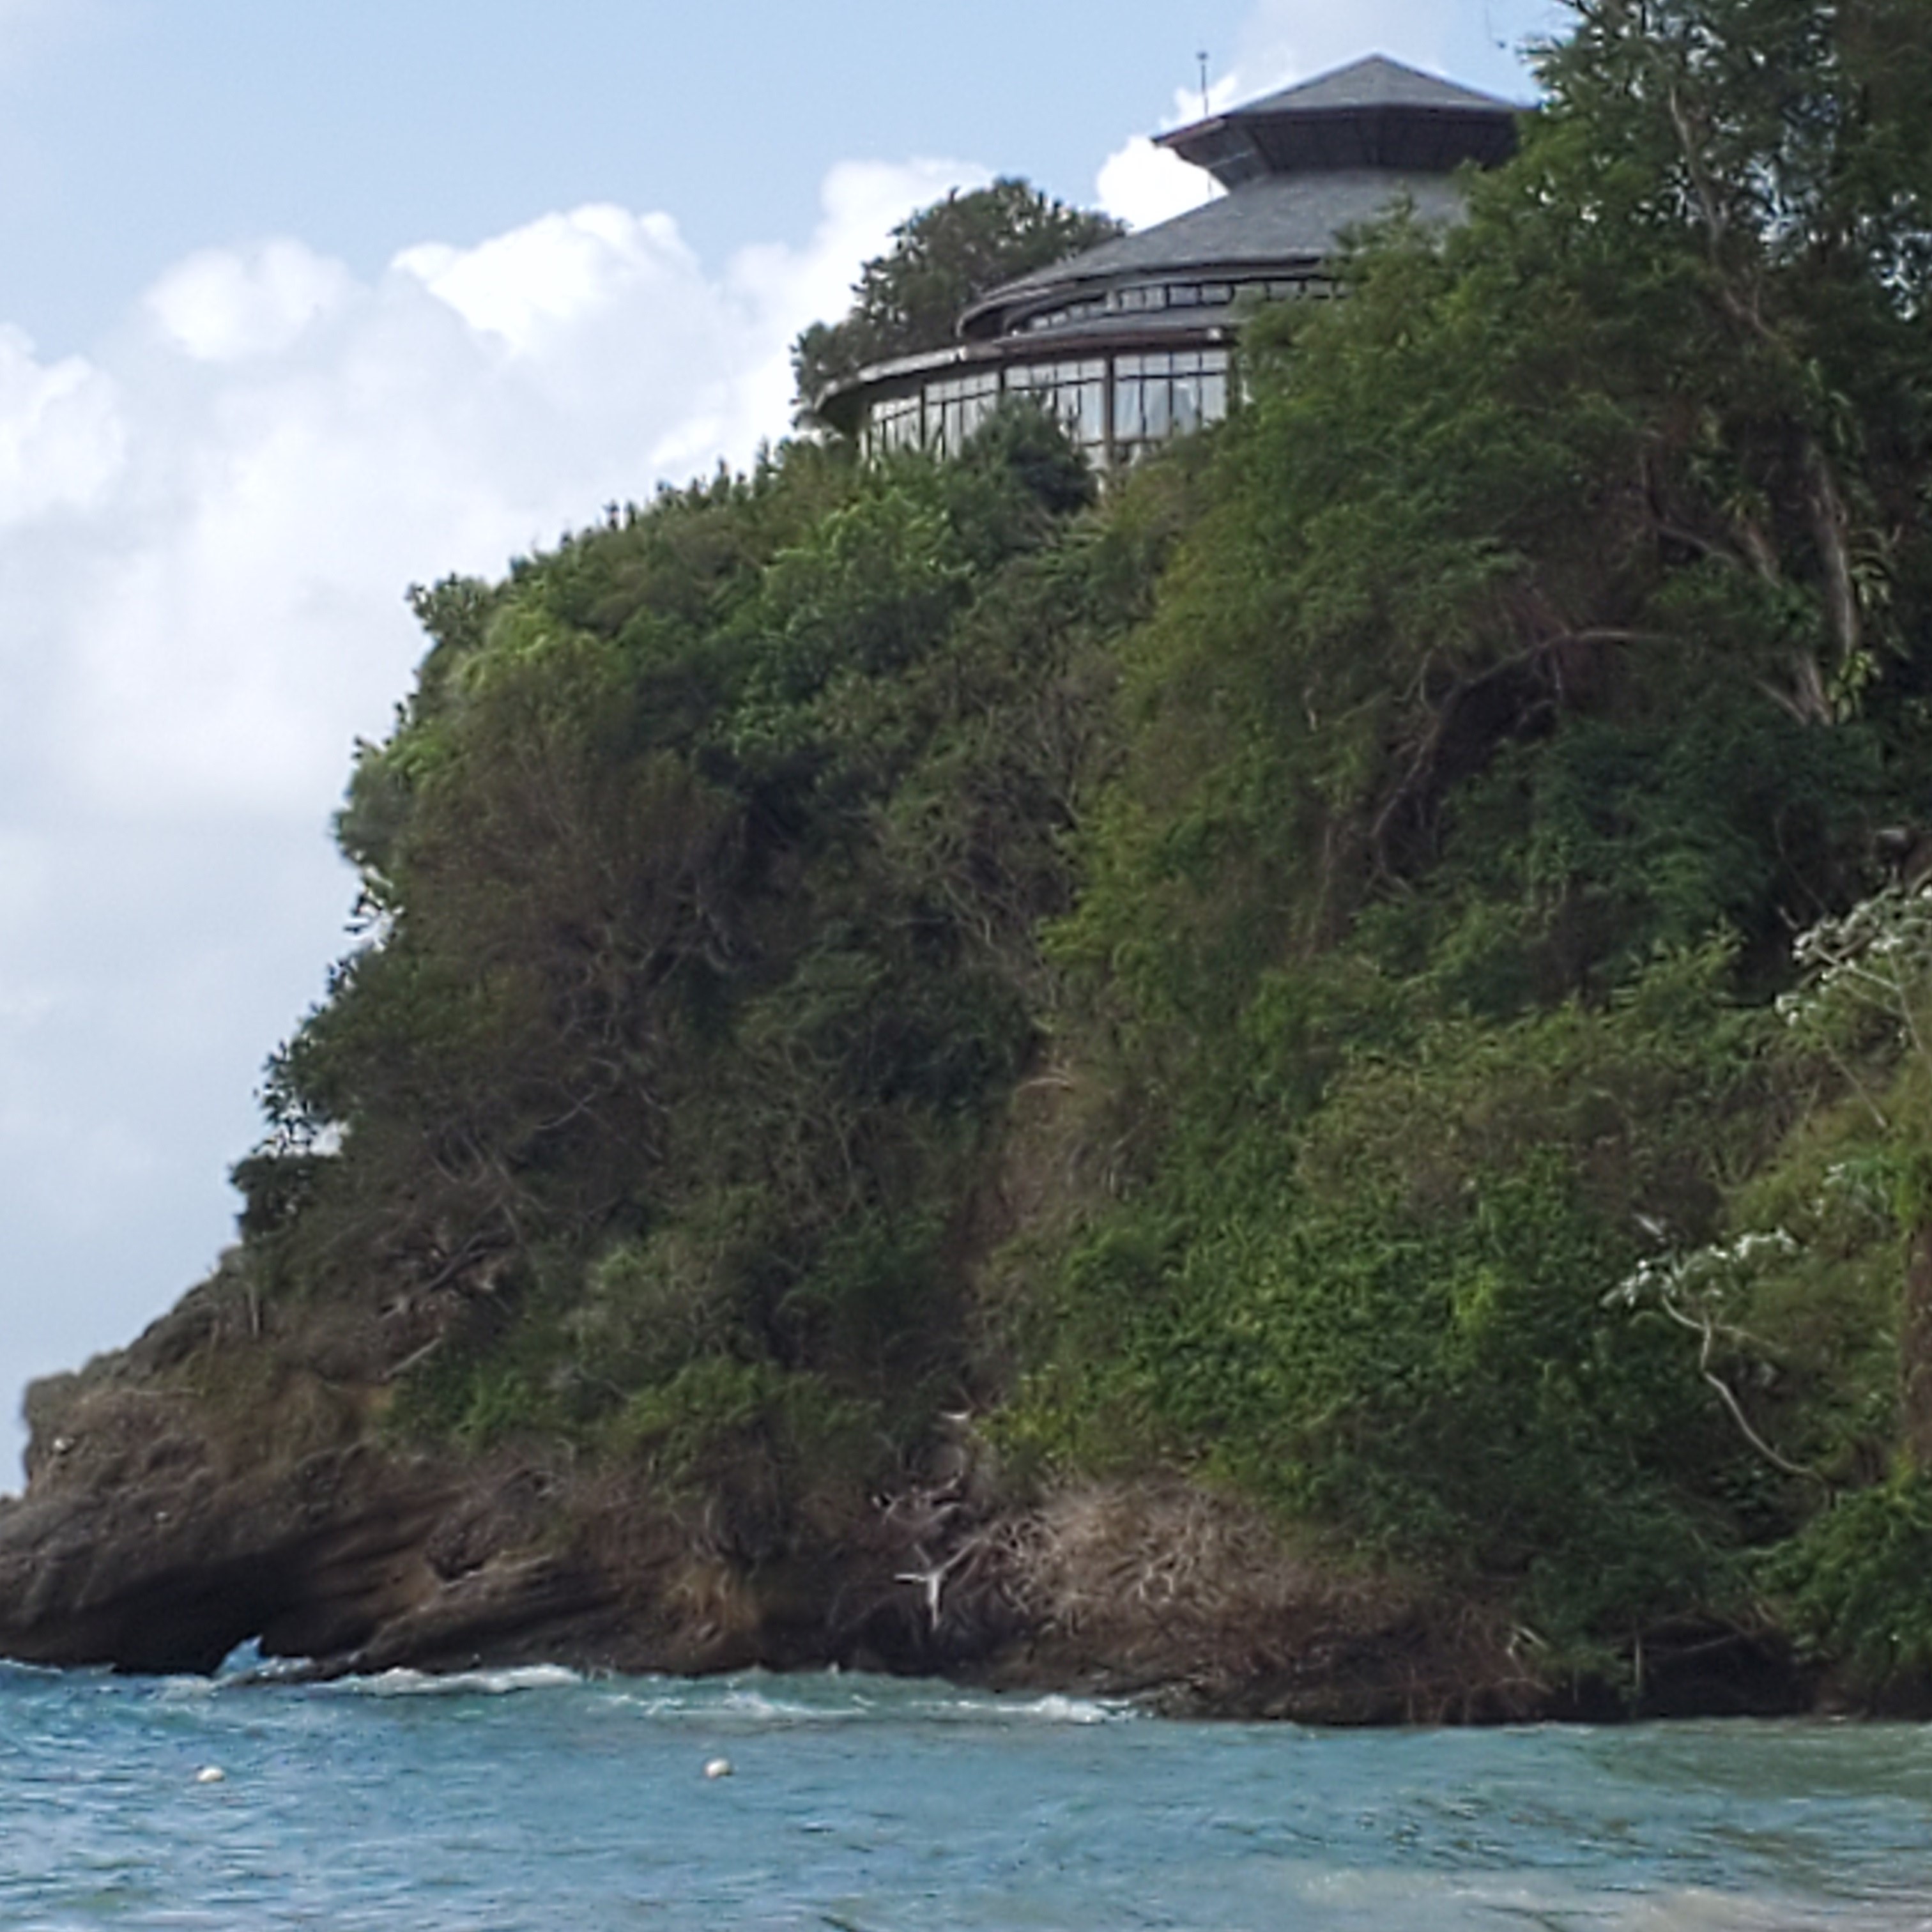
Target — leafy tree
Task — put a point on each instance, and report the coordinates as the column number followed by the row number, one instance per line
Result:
column 1623, row 460
column 1549, row 638
column 1325, row 901
column 703, row 874
column 941, row 260
column 1768, row 167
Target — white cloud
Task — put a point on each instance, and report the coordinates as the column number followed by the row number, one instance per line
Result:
column 861, row 202
column 1140, row 184
column 204, row 532
column 1280, row 42
column 530, row 286
column 220, row 306
column 298, row 447
column 60, row 435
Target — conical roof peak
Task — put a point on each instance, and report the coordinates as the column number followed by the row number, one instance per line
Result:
column 1374, row 81
column 1375, row 113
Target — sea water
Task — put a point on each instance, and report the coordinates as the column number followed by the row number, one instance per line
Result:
column 533, row 1799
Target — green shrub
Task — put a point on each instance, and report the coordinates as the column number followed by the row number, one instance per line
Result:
column 1857, row 1584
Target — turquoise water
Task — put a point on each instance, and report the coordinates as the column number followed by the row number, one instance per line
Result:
column 532, row 1799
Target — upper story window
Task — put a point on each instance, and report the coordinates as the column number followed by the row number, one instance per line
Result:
column 1148, row 297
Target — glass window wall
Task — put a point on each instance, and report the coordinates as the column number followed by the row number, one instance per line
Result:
column 895, row 422
column 1116, row 409
column 955, row 406
column 1159, row 396
column 1074, row 393
column 1141, row 298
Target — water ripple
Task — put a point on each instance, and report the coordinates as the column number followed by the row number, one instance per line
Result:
column 530, row 1799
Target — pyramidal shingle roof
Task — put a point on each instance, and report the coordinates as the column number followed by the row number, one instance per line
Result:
column 1374, row 82
column 1375, row 113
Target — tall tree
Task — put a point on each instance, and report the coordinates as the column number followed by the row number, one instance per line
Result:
column 1769, row 164
column 942, row 258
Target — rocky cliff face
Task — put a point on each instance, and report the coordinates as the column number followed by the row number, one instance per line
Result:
column 211, row 1485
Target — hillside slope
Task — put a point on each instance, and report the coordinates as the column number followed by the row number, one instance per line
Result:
column 1306, row 1087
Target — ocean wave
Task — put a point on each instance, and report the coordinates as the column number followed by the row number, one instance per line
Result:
column 185, row 1689
column 1355, row 1897
column 832, row 1697
column 43, row 1673
column 456, row 1683
column 708, row 1701
column 1055, row 1709
column 1696, row 1910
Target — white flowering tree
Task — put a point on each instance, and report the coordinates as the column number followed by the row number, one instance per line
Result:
column 1702, row 1292
column 1866, row 1001
column 1867, row 974
column 1864, row 1004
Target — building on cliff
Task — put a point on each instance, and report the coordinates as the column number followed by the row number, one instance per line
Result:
column 1130, row 343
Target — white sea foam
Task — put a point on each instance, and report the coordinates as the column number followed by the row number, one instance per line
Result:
column 758, row 1700
column 1055, row 1709
column 47, row 1673
column 704, row 1701
column 990, row 1708
column 456, row 1683
column 187, row 1690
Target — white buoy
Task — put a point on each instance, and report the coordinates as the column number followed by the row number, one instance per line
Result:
column 718, row 1767
column 210, row 1773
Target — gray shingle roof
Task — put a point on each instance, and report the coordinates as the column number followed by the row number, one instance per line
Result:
column 1276, row 219
column 1375, row 113
column 1374, row 81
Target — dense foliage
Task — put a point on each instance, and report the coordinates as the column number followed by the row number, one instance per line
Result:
column 702, row 877
column 1383, row 966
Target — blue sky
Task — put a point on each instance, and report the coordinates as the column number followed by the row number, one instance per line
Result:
column 299, row 304
column 132, row 131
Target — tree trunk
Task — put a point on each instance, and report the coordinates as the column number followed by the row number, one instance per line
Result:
column 1915, row 1348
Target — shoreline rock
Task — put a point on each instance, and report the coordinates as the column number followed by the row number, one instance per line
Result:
column 157, row 1534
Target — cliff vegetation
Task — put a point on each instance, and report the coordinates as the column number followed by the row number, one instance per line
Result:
column 1335, row 1047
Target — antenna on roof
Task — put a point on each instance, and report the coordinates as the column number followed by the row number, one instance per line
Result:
column 1202, row 57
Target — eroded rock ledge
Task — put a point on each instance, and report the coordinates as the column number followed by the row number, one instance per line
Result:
column 171, row 1515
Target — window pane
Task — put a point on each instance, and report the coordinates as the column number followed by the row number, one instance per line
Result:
column 1091, row 422
column 1187, row 404
column 1155, row 408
